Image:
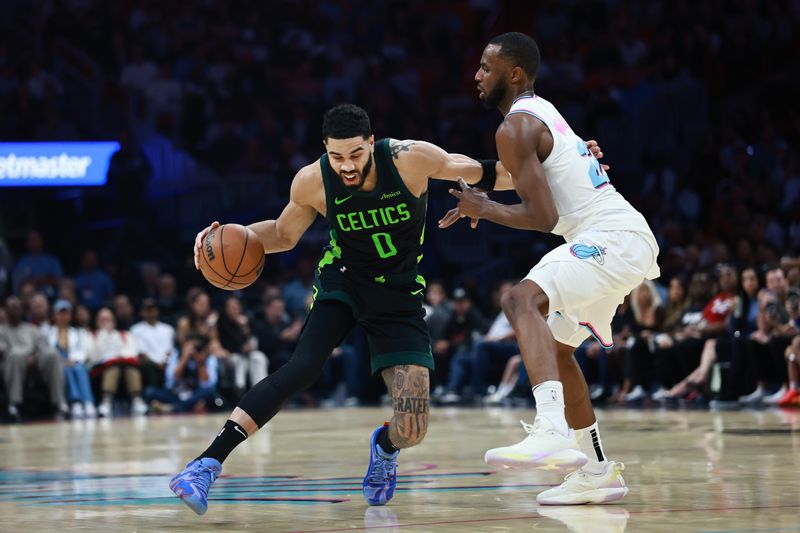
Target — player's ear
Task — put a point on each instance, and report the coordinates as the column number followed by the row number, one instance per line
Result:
column 516, row 74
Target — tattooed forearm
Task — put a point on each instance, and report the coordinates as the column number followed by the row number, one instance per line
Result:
column 409, row 386
column 396, row 147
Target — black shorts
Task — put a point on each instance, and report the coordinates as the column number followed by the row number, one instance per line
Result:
column 388, row 307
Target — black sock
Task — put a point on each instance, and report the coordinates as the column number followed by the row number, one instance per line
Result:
column 384, row 442
column 230, row 436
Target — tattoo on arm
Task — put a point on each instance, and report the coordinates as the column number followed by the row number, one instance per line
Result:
column 409, row 387
column 395, row 147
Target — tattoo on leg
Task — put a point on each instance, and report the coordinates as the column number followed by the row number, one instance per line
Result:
column 409, row 386
column 410, row 405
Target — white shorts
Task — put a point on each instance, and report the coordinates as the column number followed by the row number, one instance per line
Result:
column 586, row 279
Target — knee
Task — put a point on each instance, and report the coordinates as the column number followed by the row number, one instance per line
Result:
column 521, row 300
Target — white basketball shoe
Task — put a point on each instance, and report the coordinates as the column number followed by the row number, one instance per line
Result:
column 543, row 449
column 581, row 487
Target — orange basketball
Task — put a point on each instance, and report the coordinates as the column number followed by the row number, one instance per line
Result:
column 231, row 257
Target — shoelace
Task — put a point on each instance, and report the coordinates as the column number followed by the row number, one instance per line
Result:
column 527, row 427
column 204, row 482
column 530, row 428
column 381, row 470
column 618, row 468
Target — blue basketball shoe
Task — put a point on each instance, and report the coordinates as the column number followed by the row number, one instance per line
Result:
column 193, row 483
column 381, row 478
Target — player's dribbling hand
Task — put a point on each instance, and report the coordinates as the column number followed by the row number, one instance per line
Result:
column 198, row 243
column 450, row 218
column 597, row 152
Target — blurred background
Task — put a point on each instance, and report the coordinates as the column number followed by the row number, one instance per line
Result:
column 214, row 106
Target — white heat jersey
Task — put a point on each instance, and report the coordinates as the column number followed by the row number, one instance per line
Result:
column 584, row 197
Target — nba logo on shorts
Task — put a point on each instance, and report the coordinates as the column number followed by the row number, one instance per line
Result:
column 586, row 249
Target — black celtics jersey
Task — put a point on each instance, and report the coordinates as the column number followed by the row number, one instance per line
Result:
column 377, row 232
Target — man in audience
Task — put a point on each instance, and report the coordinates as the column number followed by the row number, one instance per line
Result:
column 453, row 351
column 276, row 332
column 92, row 285
column 156, row 342
column 191, row 379
column 22, row 344
column 39, row 312
column 767, row 345
column 37, row 266
column 169, row 306
column 437, row 310
column 124, row 312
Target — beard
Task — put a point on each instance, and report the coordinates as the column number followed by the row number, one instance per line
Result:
column 362, row 176
column 496, row 95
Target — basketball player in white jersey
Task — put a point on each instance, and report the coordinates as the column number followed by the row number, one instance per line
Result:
column 573, row 292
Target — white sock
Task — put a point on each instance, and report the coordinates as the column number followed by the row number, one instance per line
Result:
column 549, row 397
column 793, row 385
column 590, row 444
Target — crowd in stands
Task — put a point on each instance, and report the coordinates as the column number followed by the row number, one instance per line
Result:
column 726, row 336
column 243, row 91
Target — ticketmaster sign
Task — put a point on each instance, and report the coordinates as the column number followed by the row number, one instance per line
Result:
column 55, row 163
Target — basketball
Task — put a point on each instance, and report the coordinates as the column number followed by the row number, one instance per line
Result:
column 231, row 257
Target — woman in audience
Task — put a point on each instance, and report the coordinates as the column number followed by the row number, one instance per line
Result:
column 648, row 314
column 115, row 355
column 235, row 336
column 741, row 323
column 201, row 318
column 71, row 344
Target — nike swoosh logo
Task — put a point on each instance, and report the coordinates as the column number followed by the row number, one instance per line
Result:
column 240, row 431
column 338, row 201
column 416, row 292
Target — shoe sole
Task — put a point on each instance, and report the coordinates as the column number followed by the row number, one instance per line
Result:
column 596, row 496
column 560, row 460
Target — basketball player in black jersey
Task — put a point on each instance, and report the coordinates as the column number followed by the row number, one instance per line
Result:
column 374, row 196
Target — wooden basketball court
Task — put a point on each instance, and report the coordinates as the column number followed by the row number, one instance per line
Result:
column 688, row 471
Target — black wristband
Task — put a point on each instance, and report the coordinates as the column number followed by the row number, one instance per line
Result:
column 489, row 175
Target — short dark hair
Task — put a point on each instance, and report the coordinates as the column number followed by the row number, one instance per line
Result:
column 346, row 121
column 520, row 49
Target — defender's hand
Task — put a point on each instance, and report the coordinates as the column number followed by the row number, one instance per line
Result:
column 470, row 201
column 198, row 243
column 597, row 152
column 456, row 213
